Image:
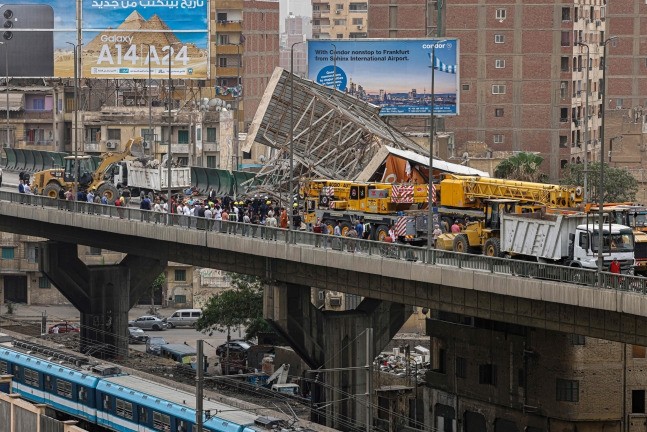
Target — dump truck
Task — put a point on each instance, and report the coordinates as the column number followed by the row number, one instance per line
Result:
column 570, row 240
column 380, row 204
column 50, row 182
column 149, row 176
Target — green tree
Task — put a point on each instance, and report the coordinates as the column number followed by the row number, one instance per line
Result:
column 240, row 306
column 157, row 284
column 619, row 184
column 521, row 166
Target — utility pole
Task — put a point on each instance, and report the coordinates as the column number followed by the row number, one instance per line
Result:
column 199, row 382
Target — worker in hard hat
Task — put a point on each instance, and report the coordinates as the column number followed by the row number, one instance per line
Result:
column 296, row 217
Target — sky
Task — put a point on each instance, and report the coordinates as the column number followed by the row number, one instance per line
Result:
column 297, row 7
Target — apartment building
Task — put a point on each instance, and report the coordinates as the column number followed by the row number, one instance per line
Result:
column 491, row 376
column 339, row 19
column 297, row 30
column 403, row 18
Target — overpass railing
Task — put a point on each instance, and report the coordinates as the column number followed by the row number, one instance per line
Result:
column 394, row 251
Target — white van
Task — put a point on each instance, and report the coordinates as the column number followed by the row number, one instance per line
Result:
column 183, row 317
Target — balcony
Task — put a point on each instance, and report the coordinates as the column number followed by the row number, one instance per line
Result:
column 227, row 71
column 230, row 49
column 229, row 26
column 210, row 146
column 179, row 149
column 94, row 147
column 321, row 26
column 318, row 13
column 33, row 115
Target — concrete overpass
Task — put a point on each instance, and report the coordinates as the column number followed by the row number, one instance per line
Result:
column 443, row 281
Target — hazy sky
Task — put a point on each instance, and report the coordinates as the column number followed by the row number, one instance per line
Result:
column 297, row 7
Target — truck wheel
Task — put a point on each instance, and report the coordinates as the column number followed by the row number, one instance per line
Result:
column 461, row 244
column 345, row 226
column 381, row 232
column 51, row 190
column 492, row 247
column 112, row 191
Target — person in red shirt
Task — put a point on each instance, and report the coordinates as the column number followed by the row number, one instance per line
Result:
column 615, row 266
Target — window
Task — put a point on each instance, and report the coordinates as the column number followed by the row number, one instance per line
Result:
column 64, row 388
column 224, row 39
column 43, row 282
column 7, row 253
column 498, row 138
column 107, row 404
column 222, row 62
column 49, row 383
column 499, row 63
column 340, row 35
column 221, row 16
column 487, row 374
column 521, row 377
column 359, row 7
column 638, row 401
column 31, row 377
column 499, row 38
column 339, row 22
column 500, row 14
column 619, row 102
column 31, row 252
column 114, row 134
column 247, row 155
column 498, row 89
column 563, row 89
column 83, row 394
column 211, row 162
column 563, row 140
column 94, row 135
column 95, row 251
column 161, row 421
column 183, row 137
column 566, row 14
column 180, row 275
column 461, row 367
column 578, row 339
column 339, row 6
column 39, row 104
column 637, row 351
column 568, row 390
column 358, row 21
column 566, row 38
column 148, row 134
column 211, row 134
column 179, row 299
column 466, row 87
column 124, row 409
column 3, row 367
column 498, row 112
column 564, row 64
column 563, row 115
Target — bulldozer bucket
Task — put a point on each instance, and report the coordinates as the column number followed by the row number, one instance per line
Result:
column 137, row 148
column 199, row 179
column 241, row 177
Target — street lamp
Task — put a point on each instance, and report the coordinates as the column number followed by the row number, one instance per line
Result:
column 6, row 70
column 76, row 119
column 169, row 159
column 292, row 127
column 150, row 98
column 586, row 126
column 430, row 207
column 601, row 187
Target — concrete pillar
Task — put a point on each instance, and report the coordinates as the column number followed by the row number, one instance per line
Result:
column 334, row 340
column 103, row 294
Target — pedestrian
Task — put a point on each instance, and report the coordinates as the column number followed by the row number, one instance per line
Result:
column 105, row 200
column 61, row 193
column 246, row 222
column 284, row 218
column 352, row 243
column 359, row 228
column 90, row 196
column 69, row 195
column 392, row 234
column 144, row 204
column 436, row 233
column 21, row 187
column 119, row 203
column 455, row 227
column 27, row 188
column 337, row 231
column 324, row 234
column 55, row 330
column 317, row 230
column 126, row 194
column 615, row 266
column 271, row 223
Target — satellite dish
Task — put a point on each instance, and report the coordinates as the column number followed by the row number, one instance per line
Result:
column 262, row 158
column 223, row 109
column 228, row 106
column 213, row 102
column 218, row 109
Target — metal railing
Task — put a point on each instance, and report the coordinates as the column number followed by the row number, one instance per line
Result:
column 394, row 251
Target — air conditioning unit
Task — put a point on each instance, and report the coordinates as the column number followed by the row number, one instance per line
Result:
column 6, row 145
column 359, row 27
column 578, row 122
column 338, row 11
column 112, row 144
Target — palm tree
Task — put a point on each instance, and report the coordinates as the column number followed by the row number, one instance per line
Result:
column 521, row 166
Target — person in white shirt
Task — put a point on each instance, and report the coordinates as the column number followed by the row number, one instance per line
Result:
column 27, row 189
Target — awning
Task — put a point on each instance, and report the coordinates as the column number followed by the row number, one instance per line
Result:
column 16, row 101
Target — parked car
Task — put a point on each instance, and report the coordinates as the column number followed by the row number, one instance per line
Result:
column 65, row 327
column 234, row 346
column 154, row 345
column 148, row 322
column 136, row 335
column 183, row 317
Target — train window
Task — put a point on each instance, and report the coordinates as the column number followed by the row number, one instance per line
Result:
column 3, row 367
column 161, row 421
column 124, row 409
column 49, row 383
column 83, row 394
column 181, row 426
column 143, row 415
column 31, row 377
column 64, row 388
column 16, row 372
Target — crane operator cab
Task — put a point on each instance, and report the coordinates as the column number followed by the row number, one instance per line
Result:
column 493, row 211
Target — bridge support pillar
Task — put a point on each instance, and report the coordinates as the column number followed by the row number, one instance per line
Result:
column 103, row 294
column 334, row 340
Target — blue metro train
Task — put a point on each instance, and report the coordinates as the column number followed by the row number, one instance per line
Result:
column 104, row 396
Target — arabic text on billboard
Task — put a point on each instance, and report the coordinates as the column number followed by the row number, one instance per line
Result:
column 117, row 38
column 394, row 74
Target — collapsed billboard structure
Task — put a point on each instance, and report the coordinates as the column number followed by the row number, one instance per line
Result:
column 335, row 135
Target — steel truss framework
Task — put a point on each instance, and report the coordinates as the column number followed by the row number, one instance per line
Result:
column 335, row 135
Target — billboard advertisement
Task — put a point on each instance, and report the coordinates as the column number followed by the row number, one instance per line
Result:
column 394, row 74
column 120, row 39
